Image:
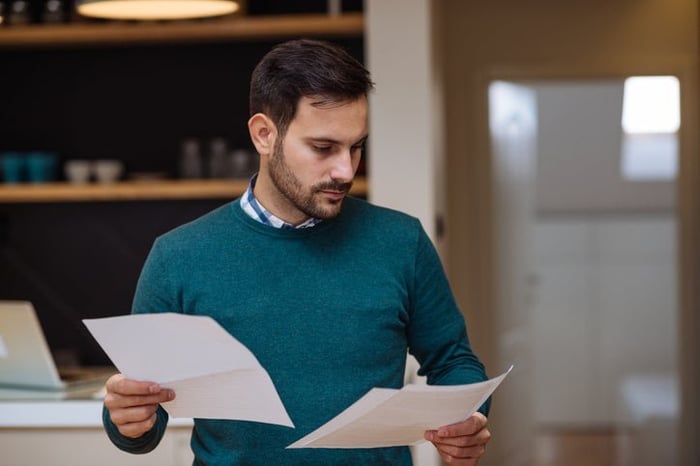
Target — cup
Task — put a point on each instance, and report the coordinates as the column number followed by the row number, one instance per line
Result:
column 190, row 164
column 108, row 170
column 241, row 163
column 13, row 166
column 77, row 171
column 41, row 167
column 218, row 166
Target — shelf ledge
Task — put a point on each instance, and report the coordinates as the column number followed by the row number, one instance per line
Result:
column 133, row 191
column 217, row 30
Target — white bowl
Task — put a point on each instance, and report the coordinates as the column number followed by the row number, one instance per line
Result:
column 78, row 171
column 108, row 170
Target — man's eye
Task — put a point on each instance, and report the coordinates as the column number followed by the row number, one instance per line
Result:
column 323, row 149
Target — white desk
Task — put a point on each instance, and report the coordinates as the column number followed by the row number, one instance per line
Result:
column 46, row 432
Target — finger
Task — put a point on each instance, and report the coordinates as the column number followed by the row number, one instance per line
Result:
column 132, row 414
column 137, row 429
column 123, row 386
column 473, row 452
column 124, row 393
column 115, row 401
column 472, row 425
column 447, row 459
column 480, row 438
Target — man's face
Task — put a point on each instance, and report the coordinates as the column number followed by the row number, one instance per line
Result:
column 312, row 168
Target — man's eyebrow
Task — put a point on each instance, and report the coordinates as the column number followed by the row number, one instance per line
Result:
column 362, row 140
column 323, row 139
column 327, row 140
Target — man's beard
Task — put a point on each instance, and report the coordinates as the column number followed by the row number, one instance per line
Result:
column 309, row 201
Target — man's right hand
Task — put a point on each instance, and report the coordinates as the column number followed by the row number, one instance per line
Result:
column 132, row 404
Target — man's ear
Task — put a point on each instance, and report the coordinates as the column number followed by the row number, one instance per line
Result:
column 262, row 133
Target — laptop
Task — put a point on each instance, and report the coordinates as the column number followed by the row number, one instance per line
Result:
column 26, row 363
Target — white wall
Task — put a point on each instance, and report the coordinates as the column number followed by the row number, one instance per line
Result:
column 402, row 142
column 404, row 116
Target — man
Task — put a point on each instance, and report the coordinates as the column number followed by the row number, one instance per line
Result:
column 328, row 291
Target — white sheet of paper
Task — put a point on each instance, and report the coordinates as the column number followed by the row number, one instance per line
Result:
column 387, row 417
column 214, row 375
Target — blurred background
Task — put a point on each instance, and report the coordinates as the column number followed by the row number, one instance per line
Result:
column 515, row 131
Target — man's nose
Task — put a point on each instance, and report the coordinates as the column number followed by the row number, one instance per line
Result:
column 343, row 169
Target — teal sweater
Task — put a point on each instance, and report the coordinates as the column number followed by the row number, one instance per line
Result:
column 329, row 311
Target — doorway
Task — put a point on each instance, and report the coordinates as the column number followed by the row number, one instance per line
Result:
column 594, row 276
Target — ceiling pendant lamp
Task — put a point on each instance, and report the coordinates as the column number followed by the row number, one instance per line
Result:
column 156, row 9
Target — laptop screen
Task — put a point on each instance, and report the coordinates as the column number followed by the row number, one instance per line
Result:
column 25, row 358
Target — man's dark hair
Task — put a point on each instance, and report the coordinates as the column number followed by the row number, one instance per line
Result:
column 304, row 68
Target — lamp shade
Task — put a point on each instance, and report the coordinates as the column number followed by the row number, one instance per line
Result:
column 156, row 9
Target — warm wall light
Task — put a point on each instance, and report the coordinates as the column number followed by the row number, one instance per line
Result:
column 156, row 9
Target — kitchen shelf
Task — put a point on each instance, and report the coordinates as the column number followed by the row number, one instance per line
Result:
column 25, row 193
column 233, row 28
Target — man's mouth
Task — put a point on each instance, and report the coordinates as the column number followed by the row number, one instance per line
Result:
column 335, row 191
column 334, row 195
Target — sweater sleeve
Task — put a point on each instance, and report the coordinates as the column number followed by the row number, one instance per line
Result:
column 144, row 444
column 437, row 331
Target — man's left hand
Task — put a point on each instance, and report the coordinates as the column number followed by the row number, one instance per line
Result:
column 462, row 443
